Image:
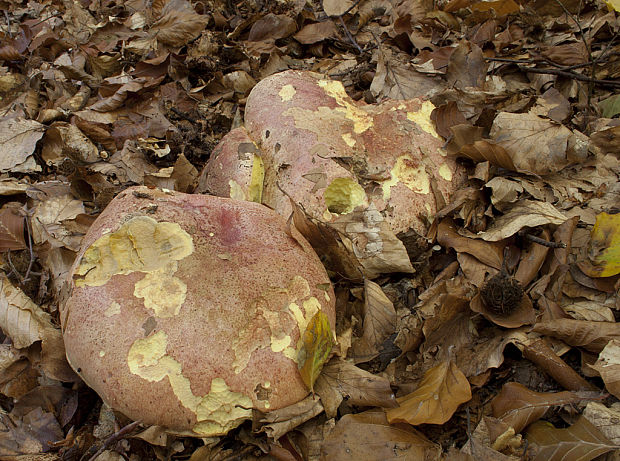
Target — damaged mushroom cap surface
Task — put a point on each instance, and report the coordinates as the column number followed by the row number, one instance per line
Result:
column 186, row 310
column 306, row 139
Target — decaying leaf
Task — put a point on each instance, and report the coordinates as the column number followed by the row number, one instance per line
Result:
column 279, row 422
column 18, row 139
column 29, row 434
column 342, row 380
column 379, row 323
column 518, row 406
column 11, row 229
column 317, row 344
column 608, row 365
column 489, row 253
column 179, row 24
column 443, row 388
column 604, row 247
column 605, row 418
column 593, row 336
column 525, row 213
column 368, row 436
column 579, row 442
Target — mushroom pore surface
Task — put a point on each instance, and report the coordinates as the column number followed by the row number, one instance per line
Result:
column 186, row 310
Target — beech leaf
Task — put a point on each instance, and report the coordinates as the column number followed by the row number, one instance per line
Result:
column 580, row 442
column 11, row 230
column 442, row 389
column 518, row 406
column 317, row 343
column 604, row 247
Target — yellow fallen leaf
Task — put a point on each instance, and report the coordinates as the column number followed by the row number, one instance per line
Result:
column 605, row 246
column 613, row 5
column 443, row 388
column 317, row 343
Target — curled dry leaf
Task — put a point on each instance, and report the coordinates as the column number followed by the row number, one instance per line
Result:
column 18, row 139
column 368, row 436
column 279, row 422
column 604, row 247
column 518, row 406
column 605, row 418
column 31, row 434
column 608, row 365
column 593, row 336
column 379, row 323
column 580, row 442
column 489, row 253
column 341, row 379
column 317, row 32
column 49, row 218
column 442, row 389
column 532, row 260
column 525, row 213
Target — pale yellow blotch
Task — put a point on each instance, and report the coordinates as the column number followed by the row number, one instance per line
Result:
column 343, row 195
column 348, row 138
column 327, row 216
column 310, row 306
column 327, row 298
column 101, row 353
column 360, row 118
column 139, row 245
column 255, row 189
column 266, row 384
column 162, row 292
column 221, row 410
column 428, row 208
column 211, row 234
column 422, row 118
column 236, row 191
column 217, row 412
column 445, row 172
column 416, row 179
column 113, row 309
column 287, row 92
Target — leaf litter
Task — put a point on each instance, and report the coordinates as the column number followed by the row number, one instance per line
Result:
column 433, row 361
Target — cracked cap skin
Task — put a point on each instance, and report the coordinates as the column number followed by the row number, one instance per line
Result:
column 186, row 310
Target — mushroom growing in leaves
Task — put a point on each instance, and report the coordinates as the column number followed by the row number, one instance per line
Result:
column 188, row 311
column 370, row 172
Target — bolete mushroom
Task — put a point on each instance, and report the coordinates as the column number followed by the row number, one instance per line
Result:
column 369, row 171
column 186, row 311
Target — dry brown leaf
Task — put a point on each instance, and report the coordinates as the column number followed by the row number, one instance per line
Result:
column 378, row 324
column 11, row 229
column 535, row 145
column 489, row 253
column 486, row 150
column 336, row 7
column 580, row 442
column 20, row 318
column 272, row 27
column 18, row 139
column 540, row 353
column 442, row 389
column 518, row 406
column 47, row 221
column 605, row 419
column 525, row 213
column 317, row 32
column 179, row 24
column 30, row 434
column 279, row 422
column 357, row 386
column 592, row 336
column 467, row 67
column 531, row 261
column 128, row 165
column 66, row 140
column 445, row 117
column 608, row 366
column 368, row 436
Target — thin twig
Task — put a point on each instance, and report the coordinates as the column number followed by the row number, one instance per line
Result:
column 349, row 36
column 8, row 23
column 471, row 439
column 120, row 434
column 573, row 75
column 183, row 115
column 13, row 270
column 543, row 242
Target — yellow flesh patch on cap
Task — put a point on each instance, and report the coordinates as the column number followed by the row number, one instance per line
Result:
column 113, row 309
column 217, row 412
column 236, row 191
column 162, row 292
column 255, row 189
column 360, row 118
column 445, row 172
column 343, row 195
column 422, row 118
column 416, row 179
column 139, row 245
column 287, row 92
